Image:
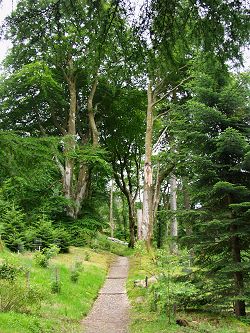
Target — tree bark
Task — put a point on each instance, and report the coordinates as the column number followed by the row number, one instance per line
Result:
column 76, row 191
column 174, row 222
column 147, row 211
column 139, row 224
column 91, row 114
column 111, row 218
column 82, row 186
column 132, row 219
column 239, row 305
column 70, row 140
column 161, row 175
column 127, row 191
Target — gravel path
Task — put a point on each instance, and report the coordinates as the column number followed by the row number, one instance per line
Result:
column 110, row 313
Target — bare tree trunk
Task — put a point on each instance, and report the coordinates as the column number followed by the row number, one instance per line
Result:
column 70, row 140
column 83, row 180
column 239, row 305
column 139, row 224
column 147, row 221
column 161, row 175
column 91, row 114
column 78, row 191
column 111, row 218
column 132, row 219
column 187, row 206
column 81, row 188
column 174, row 223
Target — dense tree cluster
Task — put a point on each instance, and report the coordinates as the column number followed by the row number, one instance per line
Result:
column 96, row 90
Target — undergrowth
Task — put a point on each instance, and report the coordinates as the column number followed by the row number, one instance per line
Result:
column 156, row 308
column 29, row 301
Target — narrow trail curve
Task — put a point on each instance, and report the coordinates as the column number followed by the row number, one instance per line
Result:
column 110, row 313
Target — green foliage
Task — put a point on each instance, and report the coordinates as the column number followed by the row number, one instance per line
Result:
column 13, row 226
column 87, row 256
column 8, row 271
column 83, row 231
column 216, row 133
column 56, row 287
column 17, row 297
column 42, row 258
column 76, row 271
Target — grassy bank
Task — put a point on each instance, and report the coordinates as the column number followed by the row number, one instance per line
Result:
column 146, row 317
column 54, row 311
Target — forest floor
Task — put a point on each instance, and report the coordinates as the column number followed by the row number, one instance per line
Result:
column 63, row 312
column 58, row 312
column 110, row 313
column 147, row 317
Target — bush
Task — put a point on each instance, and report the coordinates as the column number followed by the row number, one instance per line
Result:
column 62, row 239
column 9, row 271
column 56, row 283
column 83, row 231
column 13, row 227
column 42, row 258
column 41, row 231
column 87, row 256
column 75, row 273
column 74, row 276
column 56, row 287
column 17, row 297
column 101, row 242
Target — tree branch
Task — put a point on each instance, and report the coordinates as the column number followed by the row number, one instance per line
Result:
column 170, row 91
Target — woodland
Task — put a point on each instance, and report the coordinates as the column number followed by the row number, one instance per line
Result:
column 132, row 121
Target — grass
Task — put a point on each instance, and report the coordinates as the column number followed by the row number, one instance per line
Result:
column 145, row 319
column 58, row 312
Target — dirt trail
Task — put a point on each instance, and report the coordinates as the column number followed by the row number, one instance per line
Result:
column 110, row 313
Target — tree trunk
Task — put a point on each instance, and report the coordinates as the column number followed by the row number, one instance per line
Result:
column 91, row 114
column 70, row 141
column 131, row 209
column 139, row 224
column 124, row 217
column 161, row 175
column 81, row 188
column 83, row 180
column 239, row 305
column 147, row 221
column 78, row 191
column 174, row 223
column 111, row 218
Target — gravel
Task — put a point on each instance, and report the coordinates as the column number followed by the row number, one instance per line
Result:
column 110, row 313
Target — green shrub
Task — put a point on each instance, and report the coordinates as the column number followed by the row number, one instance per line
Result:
column 62, row 239
column 56, row 283
column 17, row 297
column 56, row 287
column 42, row 258
column 75, row 273
column 87, row 256
column 83, row 231
column 51, row 251
column 74, row 276
column 9, row 271
column 13, row 227
column 101, row 242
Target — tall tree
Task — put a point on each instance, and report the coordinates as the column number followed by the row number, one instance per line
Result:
column 72, row 41
column 172, row 37
column 217, row 133
column 123, row 132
